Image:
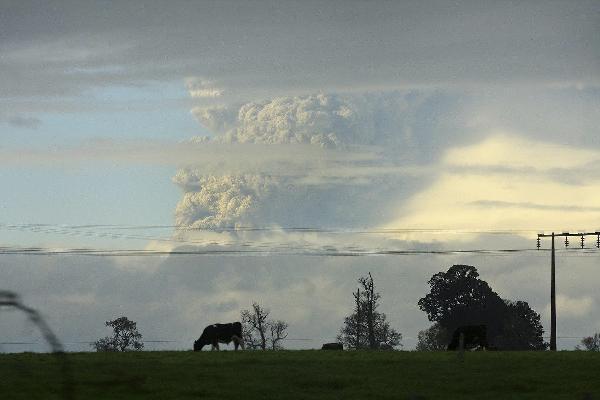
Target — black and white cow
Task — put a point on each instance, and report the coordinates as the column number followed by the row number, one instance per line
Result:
column 474, row 336
column 220, row 333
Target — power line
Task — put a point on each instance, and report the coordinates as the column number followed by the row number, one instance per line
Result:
column 239, row 247
column 264, row 250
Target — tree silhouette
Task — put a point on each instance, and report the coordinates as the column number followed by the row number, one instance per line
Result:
column 521, row 329
column 278, row 333
column 125, row 337
column 590, row 343
column 435, row 338
column 458, row 297
column 366, row 327
column 256, row 328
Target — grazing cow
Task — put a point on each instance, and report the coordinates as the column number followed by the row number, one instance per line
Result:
column 333, row 346
column 220, row 333
column 475, row 337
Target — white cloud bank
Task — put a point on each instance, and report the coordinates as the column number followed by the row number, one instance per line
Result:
column 509, row 183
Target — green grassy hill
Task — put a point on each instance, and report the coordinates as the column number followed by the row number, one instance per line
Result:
column 305, row 375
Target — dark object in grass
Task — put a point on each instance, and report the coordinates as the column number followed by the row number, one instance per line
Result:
column 220, row 333
column 332, row 346
column 475, row 337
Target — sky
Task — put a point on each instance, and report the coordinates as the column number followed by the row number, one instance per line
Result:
column 292, row 147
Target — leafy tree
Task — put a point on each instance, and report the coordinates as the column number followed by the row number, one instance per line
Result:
column 522, row 329
column 259, row 331
column 366, row 327
column 125, row 337
column 458, row 297
column 435, row 338
column 590, row 343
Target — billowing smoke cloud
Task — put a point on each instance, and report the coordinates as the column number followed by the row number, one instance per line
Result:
column 323, row 120
column 326, row 121
column 314, row 119
column 217, row 119
column 212, row 202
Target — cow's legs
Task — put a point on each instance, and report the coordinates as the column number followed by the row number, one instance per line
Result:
column 238, row 341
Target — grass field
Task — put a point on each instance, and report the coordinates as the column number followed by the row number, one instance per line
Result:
column 304, row 375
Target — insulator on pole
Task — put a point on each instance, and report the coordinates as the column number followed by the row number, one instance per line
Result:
column 598, row 241
column 566, row 241
column 582, row 241
column 538, row 242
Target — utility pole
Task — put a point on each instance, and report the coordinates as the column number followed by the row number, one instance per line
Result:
column 566, row 235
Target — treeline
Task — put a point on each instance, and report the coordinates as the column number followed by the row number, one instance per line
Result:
column 457, row 298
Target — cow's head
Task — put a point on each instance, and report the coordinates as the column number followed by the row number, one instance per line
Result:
column 199, row 344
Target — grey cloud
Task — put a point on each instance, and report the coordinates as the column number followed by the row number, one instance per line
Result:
column 24, row 122
column 204, row 153
column 262, row 49
column 558, row 115
column 580, row 175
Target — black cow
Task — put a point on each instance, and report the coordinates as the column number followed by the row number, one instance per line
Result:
column 220, row 333
column 475, row 336
column 333, row 346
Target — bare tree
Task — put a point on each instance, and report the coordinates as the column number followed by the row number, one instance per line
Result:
column 370, row 298
column 255, row 323
column 125, row 337
column 278, row 333
column 259, row 331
